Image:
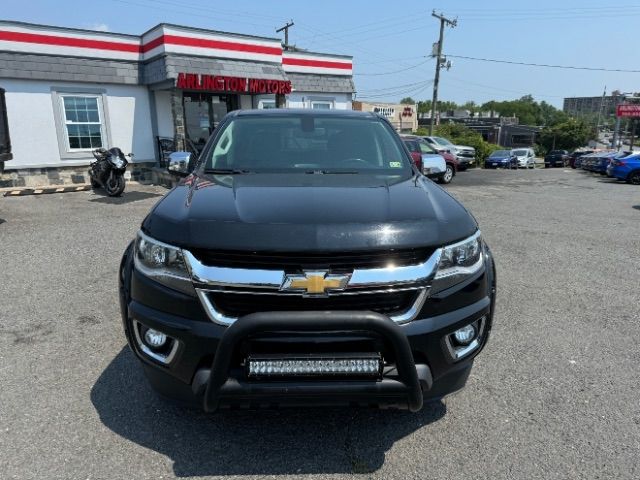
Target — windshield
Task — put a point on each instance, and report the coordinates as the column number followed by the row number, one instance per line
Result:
column 557, row 152
column 501, row 153
column 304, row 143
column 426, row 148
column 519, row 153
column 442, row 141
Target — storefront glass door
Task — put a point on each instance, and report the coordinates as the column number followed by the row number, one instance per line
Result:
column 202, row 114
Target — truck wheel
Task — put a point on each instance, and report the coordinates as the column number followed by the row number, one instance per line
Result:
column 447, row 176
column 634, row 178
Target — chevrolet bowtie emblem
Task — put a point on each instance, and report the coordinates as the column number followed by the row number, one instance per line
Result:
column 315, row 283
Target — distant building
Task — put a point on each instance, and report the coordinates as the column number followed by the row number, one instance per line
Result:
column 403, row 117
column 504, row 131
column 589, row 106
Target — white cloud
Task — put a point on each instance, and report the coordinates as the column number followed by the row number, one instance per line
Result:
column 98, row 27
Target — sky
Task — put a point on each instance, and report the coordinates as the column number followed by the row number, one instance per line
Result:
column 391, row 42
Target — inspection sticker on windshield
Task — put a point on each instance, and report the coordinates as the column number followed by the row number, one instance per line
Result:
column 395, row 164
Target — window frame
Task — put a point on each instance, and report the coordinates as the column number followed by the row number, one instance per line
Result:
column 322, row 102
column 262, row 102
column 100, row 121
column 81, row 154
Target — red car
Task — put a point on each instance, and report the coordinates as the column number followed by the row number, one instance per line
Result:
column 450, row 159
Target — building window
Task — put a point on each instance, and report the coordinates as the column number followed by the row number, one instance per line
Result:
column 83, row 121
column 322, row 105
column 266, row 104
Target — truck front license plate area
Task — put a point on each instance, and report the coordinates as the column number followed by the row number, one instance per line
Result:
column 366, row 365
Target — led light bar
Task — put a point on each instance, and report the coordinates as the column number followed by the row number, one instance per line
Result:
column 352, row 366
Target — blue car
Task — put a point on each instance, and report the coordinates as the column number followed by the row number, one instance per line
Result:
column 501, row 159
column 626, row 168
column 602, row 161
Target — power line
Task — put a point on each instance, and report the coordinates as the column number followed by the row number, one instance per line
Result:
column 567, row 67
column 395, row 60
column 464, row 81
column 397, row 87
column 394, row 93
column 388, row 22
column 392, row 72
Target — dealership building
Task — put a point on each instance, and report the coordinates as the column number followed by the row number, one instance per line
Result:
column 68, row 91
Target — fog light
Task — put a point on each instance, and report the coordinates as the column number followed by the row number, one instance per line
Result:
column 154, row 338
column 465, row 335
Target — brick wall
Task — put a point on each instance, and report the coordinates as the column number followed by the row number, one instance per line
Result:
column 58, row 176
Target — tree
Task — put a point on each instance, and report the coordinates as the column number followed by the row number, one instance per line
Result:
column 471, row 106
column 408, row 101
column 567, row 135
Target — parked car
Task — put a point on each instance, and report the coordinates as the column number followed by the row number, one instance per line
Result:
column 601, row 161
column 5, row 141
column 574, row 158
column 556, row 158
column 586, row 161
column 263, row 280
column 466, row 155
column 501, row 159
column 526, row 157
column 430, row 164
column 619, row 156
column 418, row 148
column 626, row 168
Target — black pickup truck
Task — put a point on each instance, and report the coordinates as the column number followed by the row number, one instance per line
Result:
column 304, row 260
column 556, row 158
column 5, row 141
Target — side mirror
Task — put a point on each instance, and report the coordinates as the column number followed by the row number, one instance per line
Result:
column 130, row 155
column 179, row 164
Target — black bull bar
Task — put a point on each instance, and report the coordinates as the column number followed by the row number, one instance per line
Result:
column 405, row 390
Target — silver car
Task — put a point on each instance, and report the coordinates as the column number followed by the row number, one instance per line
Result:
column 526, row 157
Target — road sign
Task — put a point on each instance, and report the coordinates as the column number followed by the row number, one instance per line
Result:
column 627, row 110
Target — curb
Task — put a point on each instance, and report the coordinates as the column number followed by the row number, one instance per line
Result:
column 45, row 190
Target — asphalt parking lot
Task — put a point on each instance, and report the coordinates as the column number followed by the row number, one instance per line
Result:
column 554, row 394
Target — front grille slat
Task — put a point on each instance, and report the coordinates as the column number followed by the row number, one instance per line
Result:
column 335, row 261
column 239, row 304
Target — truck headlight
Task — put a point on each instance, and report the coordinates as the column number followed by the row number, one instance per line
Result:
column 458, row 262
column 163, row 263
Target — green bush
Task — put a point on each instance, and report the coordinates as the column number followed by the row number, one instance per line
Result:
column 461, row 135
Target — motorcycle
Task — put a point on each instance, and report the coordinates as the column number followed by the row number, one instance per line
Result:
column 108, row 170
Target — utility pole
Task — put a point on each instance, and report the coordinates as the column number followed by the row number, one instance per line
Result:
column 286, row 33
column 604, row 94
column 434, row 104
column 616, row 132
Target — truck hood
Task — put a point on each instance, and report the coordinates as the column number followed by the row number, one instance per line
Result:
column 465, row 148
column 294, row 212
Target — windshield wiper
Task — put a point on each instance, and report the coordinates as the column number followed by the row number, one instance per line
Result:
column 226, row 171
column 332, row 172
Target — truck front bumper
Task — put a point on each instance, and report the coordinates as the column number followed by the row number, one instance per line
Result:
column 208, row 362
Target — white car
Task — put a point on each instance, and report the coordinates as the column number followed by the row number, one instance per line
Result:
column 466, row 155
column 526, row 157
